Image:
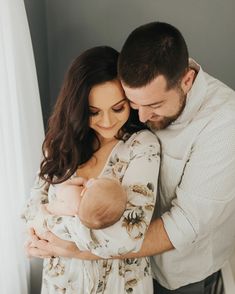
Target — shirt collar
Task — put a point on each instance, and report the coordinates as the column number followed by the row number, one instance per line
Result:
column 195, row 96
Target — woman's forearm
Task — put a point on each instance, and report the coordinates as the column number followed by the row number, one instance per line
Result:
column 156, row 241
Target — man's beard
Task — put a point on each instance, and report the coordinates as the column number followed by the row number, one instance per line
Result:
column 165, row 121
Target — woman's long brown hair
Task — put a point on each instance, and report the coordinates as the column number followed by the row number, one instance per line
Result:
column 69, row 140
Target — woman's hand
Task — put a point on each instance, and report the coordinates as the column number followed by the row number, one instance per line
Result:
column 48, row 245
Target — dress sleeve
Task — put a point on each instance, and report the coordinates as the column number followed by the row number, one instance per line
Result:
column 38, row 196
column 140, row 179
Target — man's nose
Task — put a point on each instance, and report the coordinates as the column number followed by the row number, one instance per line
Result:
column 144, row 113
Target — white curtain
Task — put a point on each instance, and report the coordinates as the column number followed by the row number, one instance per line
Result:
column 21, row 135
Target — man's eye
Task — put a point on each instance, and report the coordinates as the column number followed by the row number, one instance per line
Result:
column 119, row 109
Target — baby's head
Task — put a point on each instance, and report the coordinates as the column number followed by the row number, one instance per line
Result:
column 103, row 203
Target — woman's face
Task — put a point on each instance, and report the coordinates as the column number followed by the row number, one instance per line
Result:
column 109, row 109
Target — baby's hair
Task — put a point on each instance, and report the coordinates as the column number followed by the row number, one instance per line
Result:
column 104, row 203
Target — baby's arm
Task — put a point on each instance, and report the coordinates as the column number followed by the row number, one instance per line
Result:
column 67, row 198
column 39, row 223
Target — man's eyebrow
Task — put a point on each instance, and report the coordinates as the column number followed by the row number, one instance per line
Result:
column 124, row 99
column 156, row 103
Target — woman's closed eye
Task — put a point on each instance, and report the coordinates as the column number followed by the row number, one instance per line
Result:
column 93, row 113
column 119, row 108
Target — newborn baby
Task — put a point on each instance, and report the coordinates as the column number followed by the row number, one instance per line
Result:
column 99, row 202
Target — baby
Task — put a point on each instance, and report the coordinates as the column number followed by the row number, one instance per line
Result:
column 98, row 202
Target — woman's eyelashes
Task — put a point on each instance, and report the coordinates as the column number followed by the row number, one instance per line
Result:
column 119, row 108
column 93, row 113
column 115, row 109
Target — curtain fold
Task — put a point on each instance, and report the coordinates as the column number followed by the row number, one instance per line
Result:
column 21, row 135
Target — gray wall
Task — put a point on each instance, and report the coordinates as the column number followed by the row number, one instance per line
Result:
column 75, row 25
column 63, row 29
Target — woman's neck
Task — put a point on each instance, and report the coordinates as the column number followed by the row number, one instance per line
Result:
column 105, row 141
column 93, row 167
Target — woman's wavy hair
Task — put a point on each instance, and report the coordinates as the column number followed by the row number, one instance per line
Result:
column 69, row 140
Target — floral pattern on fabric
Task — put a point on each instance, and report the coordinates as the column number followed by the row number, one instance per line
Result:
column 135, row 163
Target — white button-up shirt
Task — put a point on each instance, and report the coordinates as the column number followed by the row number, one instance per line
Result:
column 197, row 185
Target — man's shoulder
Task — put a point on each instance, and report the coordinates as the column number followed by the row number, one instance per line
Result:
column 219, row 102
column 216, row 87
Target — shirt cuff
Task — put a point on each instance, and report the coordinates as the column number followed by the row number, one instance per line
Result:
column 179, row 229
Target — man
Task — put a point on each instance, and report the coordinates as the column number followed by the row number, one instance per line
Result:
column 193, row 115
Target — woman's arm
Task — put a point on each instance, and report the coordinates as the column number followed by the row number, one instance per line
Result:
column 156, row 241
column 33, row 210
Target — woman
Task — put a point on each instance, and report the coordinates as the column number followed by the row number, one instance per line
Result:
column 93, row 132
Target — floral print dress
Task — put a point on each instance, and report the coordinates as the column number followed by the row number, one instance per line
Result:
column 135, row 163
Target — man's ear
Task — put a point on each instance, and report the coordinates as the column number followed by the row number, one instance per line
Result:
column 187, row 80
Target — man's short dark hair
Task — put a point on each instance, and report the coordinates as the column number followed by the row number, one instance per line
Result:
column 153, row 49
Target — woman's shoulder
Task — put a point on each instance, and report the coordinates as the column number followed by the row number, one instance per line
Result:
column 139, row 141
column 143, row 137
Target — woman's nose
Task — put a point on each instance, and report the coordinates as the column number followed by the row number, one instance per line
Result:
column 106, row 120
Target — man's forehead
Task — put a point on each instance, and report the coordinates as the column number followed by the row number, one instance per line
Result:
column 143, row 98
column 151, row 93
